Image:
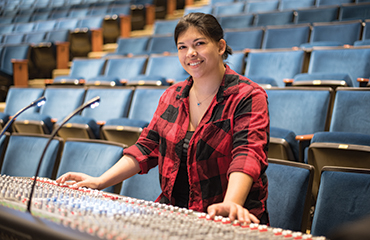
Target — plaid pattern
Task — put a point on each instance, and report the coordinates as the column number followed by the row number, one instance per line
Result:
column 232, row 137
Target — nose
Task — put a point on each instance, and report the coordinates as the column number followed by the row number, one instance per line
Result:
column 191, row 52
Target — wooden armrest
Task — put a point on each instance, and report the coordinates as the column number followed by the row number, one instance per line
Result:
column 123, row 81
column 170, row 81
column 288, row 81
column 54, row 120
column 101, row 123
column 48, row 81
column 246, row 50
column 363, row 81
column 306, row 137
column 125, row 25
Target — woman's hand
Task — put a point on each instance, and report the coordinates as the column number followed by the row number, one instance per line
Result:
column 79, row 180
column 233, row 211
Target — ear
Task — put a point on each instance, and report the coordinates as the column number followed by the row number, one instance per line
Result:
column 221, row 47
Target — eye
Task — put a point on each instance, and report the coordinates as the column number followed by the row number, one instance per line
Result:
column 199, row 43
column 181, row 47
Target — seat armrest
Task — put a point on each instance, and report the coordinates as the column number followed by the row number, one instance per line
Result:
column 288, row 81
column 306, row 137
column 304, row 141
column 363, row 81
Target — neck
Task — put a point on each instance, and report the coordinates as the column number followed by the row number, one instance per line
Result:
column 208, row 85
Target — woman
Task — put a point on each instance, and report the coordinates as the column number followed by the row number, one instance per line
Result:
column 208, row 136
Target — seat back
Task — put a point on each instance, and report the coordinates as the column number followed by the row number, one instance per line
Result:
column 301, row 110
column 92, row 157
column 24, row 27
column 292, row 4
column 274, row 64
column 23, row 153
column 13, row 38
column 132, row 45
column 161, row 44
column 125, row 68
column 18, row 98
column 285, row 37
column 144, row 102
column 354, row 11
column 165, row 26
column 220, row 9
column 45, row 25
column 142, row 186
column 350, row 110
column 289, row 198
column 10, row 52
column 351, row 61
column 320, row 14
column 87, row 68
column 320, row 3
column 62, row 101
column 282, row 17
column 114, row 103
column 165, row 66
column 343, row 197
column 239, row 40
column 366, row 30
column 236, row 61
column 236, row 21
column 261, row 6
column 343, row 32
column 34, row 38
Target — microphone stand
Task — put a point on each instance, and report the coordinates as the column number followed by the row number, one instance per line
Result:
column 38, row 102
column 93, row 103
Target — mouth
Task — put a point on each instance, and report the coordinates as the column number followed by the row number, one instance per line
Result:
column 193, row 64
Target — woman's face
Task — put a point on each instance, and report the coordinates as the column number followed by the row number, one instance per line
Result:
column 199, row 55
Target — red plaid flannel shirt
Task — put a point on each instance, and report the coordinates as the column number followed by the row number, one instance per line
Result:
column 231, row 137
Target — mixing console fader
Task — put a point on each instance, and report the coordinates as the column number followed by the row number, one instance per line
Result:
column 64, row 212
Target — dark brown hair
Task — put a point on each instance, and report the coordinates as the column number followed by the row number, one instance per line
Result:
column 207, row 24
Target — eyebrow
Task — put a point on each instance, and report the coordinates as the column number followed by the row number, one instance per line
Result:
column 197, row 39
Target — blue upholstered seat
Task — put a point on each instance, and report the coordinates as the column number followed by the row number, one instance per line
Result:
column 17, row 99
column 236, row 61
column 343, row 32
column 142, row 186
column 353, row 11
column 274, row 65
column 131, row 45
column 248, row 38
column 261, row 6
column 365, row 42
column 282, row 17
column 13, row 38
column 45, row 25
column 161, row 43
column 23, row 153
column 220, row 9
column 60, row 103
column 114, row 103
column 81, row 69
column 319, row 14
column 165, row 26
column 236, row 21
column 352, row 62
column 286, row 36
column 204, row 9
column 289, row 197
column 143, row 105
column 92, row 157
column 296, row 111
column 321, row 3
column 347, row 143
column 343, row 197
column 118, row 71
column 292, row 4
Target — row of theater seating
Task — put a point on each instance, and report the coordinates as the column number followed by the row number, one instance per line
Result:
column 287, row 36
column 334, row 66
column 234, row 12
column 291, row 109
column 129, row 107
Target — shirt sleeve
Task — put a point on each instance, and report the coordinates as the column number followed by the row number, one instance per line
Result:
column 251, row 135
column 146, row 149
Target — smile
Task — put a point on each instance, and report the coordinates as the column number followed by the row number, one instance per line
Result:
column 195, row 63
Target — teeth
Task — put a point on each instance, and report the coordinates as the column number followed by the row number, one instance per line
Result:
column 193, row 64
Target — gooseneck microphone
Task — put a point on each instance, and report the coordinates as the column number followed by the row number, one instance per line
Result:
column 39, row 102
column 92, row 103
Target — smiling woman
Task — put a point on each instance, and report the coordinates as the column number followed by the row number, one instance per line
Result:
column 208, row 136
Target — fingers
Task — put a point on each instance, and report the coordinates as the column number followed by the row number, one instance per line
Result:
column 233, row 211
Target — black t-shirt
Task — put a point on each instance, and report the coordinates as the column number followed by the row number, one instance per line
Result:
column 181, row 188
